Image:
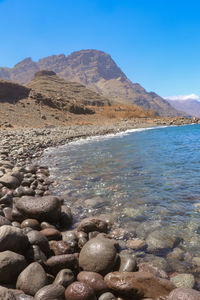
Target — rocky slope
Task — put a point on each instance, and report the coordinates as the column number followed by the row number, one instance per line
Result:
column 96, row 70
column 190, row 106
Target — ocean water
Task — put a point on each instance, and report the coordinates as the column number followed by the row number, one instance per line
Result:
column 141, row 176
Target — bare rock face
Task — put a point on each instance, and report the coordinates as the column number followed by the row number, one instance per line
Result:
column 98, row 255
column 32, row 279
column 138, row 284
column 47, row 208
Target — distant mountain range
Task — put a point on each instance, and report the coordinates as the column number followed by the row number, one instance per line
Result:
column 190, row 106
column 97, row 71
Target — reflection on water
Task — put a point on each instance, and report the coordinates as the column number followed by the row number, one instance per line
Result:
column 150, row 175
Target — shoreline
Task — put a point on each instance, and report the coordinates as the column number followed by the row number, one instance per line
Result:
column 19, row 177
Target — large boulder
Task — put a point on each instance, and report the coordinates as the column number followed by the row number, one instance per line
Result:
column 98, row 255
column 47, row 208
column 11, row 265
column 184, row 294
column 138, row 284
column 12, row 238
column 32, row 279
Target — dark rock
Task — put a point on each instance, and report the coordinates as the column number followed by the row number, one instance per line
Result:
column 35, row 254
column 57, row 263
column 65, row 277
column 66, row 217
column 184, row 294
column 37, row 238
column 51, row 292
column 94, row 280
column 46, row 208
column 79, row 291
column 70, row 238
column 32, row 279
column 92, row 224
column 12, row 238
column 11, row 265
column 98, row 255
column 138, row 284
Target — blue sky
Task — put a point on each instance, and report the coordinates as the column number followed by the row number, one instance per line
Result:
column 155, row 42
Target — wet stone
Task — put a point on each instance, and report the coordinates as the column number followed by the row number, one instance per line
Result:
column 59, row 262
column 127, row 263
column 12, row 238
column 79, row 291
column 107, row 296
column 59, row 247
column 184, row 294
column 94, row 280
column 51, row 234
column 36, row 238
column 65, row 277
column 93, row 224
column 183, row 280
column 50, row 292
column 32, row 223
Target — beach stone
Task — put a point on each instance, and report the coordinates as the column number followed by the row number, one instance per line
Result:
column 51, row 234
column 184, row 294
column 92, row 224
column 177, row 253
column 149, row 268
column 57, row 263
column 35, row 254
column 94, row 280
column 4, row 221
column 23, row 297
column 6, row 294
column 11, row 265
column 8, row 214
column 51, row 292
column 79, row 291
column 9, row 181
column 37, row 238
column 70, row 238
column 107, row 296
column 12, row 238
column 45, row 225
column 65, row 277
column 32, row 279
column 135, row 244
column 66, row 217
column 159, row 239
column 32, row 223
column 138, row 284
column 98, row 255
column 47, row 208
column 127, row 263
column 143, row 229
column 183, row 280
column 59, row 247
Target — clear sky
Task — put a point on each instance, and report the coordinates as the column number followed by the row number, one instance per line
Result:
column 155, row 42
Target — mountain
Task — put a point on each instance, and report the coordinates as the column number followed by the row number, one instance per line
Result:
column 96, row 70
column 189, row 106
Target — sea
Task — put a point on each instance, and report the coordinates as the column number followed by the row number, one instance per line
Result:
column 141, row 176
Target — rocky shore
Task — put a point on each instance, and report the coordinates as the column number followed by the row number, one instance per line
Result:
column 43, row 257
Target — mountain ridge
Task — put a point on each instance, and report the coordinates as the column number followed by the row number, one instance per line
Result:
column 97, row 71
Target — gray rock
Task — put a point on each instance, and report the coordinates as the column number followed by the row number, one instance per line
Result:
column 183, row 280
column 47, row 208
column 11, row 265
column 98, row 255
column 159, row 239
column 4, row 221
column 37, row 238
column 127, row 263
column 12, row 238
column 6, row 294
column 9, row 181
column 32, row 279
column 184, row 294
column 51, row 292
column 107, row 296
column 65, row 277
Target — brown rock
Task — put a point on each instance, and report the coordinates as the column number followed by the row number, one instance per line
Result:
column 92, row 224
column 57, row 263
column 32, row 279
column 149, row 268
column 4, row 221
column 59, row 247
column 79, row 291
column 138, row 284
column 9, row 181
column 32, row 223
column 6, row 294
column 65, row 277
column 51, row 234
column 37, row 238
column 98, row 255
column 12, row 238
column 94, row 280
column 135, row 244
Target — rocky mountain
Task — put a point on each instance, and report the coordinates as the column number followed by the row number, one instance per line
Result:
column 189, row 106
column 96, row 70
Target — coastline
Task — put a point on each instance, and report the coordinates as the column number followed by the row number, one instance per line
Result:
column 19, row 148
